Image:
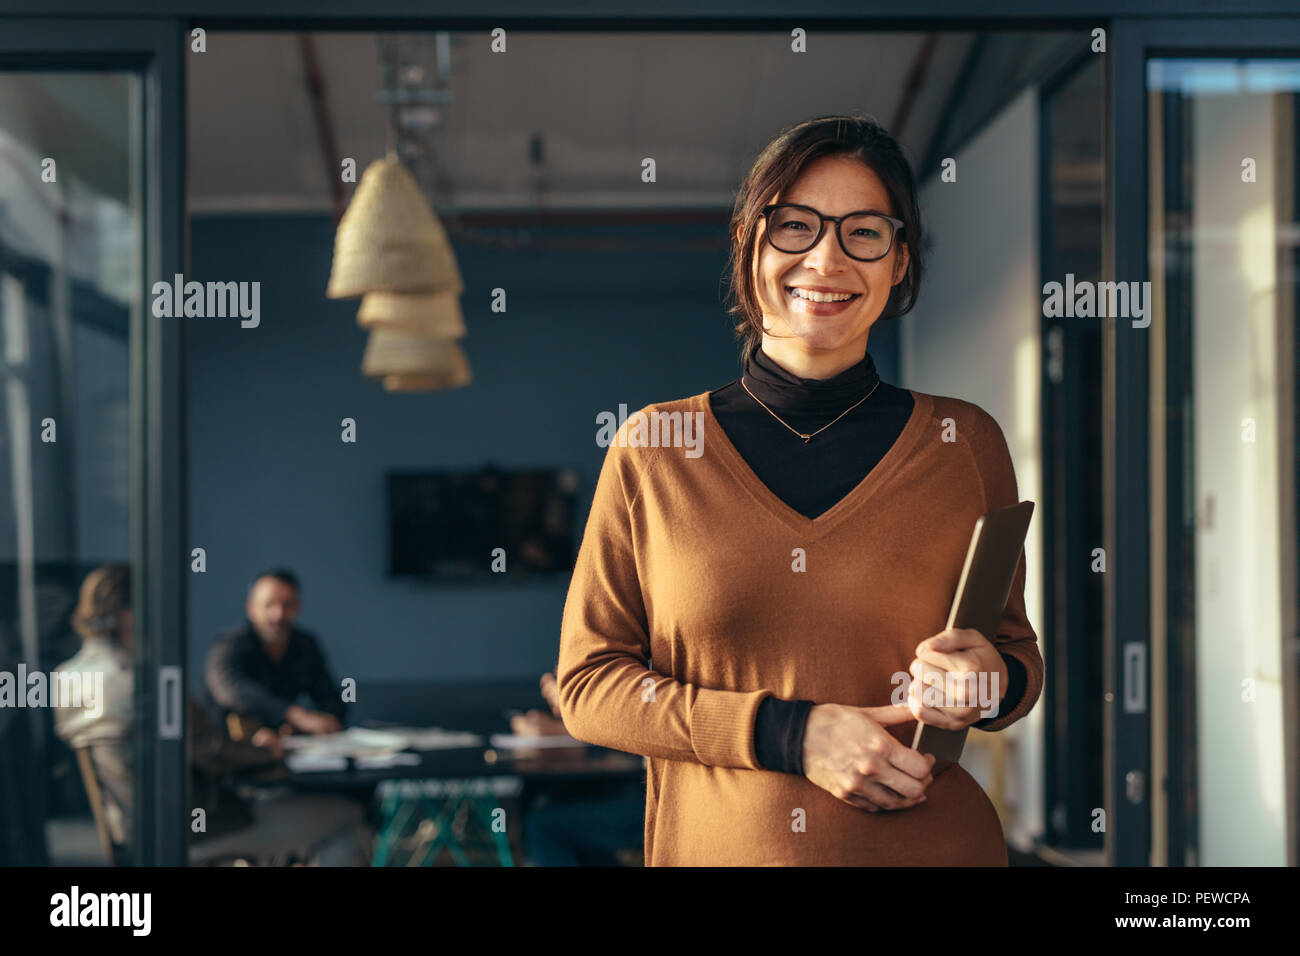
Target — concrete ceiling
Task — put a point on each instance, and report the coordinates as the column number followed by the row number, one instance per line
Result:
column 700, row 104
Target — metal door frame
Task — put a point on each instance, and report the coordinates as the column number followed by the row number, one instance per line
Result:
column 1127, row 416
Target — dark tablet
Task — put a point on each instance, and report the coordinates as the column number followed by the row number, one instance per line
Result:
column 981, row 597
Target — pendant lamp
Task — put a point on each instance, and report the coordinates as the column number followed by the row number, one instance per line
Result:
column 405, row 361
column 436, row 314
column 389, row 240
column 392, row 251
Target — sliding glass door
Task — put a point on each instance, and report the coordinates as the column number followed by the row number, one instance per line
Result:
column 1224, row 229
column 91, row 412
column 70, row 282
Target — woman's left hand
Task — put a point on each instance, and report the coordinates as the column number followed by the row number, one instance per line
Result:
column 953, row 659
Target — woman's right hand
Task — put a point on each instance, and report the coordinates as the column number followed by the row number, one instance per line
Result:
column 848, row 753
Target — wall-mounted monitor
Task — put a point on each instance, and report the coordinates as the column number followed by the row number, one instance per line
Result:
column 445, row 527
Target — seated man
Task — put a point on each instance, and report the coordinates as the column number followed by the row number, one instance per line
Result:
column 256, row 671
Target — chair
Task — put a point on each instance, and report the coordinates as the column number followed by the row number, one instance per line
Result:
column 96, row 799
column 241, row 727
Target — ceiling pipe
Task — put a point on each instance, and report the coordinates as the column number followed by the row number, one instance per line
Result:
column 315, row 81
column 915, row 80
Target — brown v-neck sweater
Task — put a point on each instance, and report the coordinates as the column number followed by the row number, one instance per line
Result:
column 698, row 592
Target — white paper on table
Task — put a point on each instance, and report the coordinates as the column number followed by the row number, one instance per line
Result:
column 303, row 762
column 351, row 742
column 380, row 761
column 381, row 746
column 435, row 738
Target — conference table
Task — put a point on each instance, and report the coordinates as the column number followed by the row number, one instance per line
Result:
column 421, row 798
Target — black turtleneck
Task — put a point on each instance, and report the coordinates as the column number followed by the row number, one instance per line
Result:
column 811, row 477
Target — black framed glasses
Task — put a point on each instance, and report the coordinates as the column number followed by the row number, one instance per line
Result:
column 865, row 236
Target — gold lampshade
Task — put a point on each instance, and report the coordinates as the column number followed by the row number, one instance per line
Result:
column 435, row 314
column 389, row 240
column 425, row 383
column 411, row 362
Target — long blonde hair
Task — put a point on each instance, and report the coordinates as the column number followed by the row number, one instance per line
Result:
column 105, row 594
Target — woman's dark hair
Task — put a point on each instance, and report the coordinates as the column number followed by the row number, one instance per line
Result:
column 105, row 594
column 775, row 171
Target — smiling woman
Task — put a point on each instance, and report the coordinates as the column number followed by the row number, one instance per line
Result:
column 829, row 207
column 780, row 580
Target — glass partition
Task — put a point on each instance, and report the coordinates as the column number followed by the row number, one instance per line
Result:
column 1223, row 245
column 70, row 281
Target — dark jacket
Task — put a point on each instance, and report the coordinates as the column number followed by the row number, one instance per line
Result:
column 213, row 759
column 240, row 678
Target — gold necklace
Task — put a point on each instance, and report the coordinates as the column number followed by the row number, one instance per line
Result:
column 809, row 437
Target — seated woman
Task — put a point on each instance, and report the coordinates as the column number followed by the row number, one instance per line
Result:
column 101, row 720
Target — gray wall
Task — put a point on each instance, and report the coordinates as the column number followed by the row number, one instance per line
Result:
column 270, row 482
